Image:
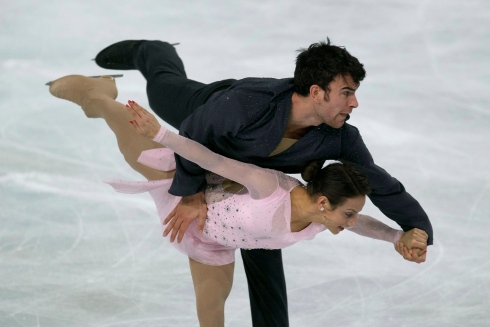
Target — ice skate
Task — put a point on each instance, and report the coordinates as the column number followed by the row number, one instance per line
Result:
column 119, row 55
column 85, row 91
column 96, row 76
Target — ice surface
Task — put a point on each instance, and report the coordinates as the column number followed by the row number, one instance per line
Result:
column 75, row 253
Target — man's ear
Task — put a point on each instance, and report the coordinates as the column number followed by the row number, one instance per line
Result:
column 316, row 93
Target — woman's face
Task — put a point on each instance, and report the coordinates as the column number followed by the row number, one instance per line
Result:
column 343, row 216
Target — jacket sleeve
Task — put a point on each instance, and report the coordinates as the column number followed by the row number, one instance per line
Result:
column 388, row 194
column 218, row 118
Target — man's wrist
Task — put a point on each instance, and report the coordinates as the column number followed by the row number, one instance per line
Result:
column 199, row 195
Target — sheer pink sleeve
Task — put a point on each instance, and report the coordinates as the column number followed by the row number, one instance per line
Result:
column 373, row 228
column 259, row 182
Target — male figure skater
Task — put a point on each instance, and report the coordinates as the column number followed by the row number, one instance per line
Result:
column 273, row 123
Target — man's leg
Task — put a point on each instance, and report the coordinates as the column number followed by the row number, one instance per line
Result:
column 266, row 287
column 172, row 96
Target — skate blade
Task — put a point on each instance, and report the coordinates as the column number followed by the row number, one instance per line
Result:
column 96, row 76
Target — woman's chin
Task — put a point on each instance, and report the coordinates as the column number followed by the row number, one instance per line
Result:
column 334, row 230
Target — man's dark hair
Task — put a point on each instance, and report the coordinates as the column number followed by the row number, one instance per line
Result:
column 321, row 63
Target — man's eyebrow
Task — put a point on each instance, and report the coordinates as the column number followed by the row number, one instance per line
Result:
column 348, row 88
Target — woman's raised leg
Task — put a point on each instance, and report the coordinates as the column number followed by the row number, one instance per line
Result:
column 212, row 285
column 97, row 96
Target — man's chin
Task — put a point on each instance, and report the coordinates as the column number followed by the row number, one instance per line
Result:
column 337, row 125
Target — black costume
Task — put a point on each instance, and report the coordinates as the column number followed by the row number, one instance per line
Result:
column 245, row 120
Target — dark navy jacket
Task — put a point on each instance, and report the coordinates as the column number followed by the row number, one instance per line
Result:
column 247, row 121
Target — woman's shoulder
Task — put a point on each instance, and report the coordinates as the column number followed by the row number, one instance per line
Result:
column 286, row 181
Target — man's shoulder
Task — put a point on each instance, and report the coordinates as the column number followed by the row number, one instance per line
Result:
column 257, row 95
column 263, row 85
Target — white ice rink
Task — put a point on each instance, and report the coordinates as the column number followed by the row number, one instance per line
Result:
column 75, row 253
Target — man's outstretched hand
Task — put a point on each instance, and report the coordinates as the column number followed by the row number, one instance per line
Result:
column 189, row 208
column 412, row 245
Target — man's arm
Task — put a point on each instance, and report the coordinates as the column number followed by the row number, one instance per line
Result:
column 259, row 182
column 388, row 194
column 218, row 118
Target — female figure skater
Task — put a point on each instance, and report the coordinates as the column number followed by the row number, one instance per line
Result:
column 332, row 198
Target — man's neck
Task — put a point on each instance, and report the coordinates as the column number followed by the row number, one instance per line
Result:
column 300, row 119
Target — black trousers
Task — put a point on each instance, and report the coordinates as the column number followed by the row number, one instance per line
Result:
column 173, row 97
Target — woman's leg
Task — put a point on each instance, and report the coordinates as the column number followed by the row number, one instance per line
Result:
column 212, row 285
column 96, row 97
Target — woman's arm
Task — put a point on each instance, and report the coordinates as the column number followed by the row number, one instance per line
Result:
column 259, row 182
column 408, row 244
column 373, row 228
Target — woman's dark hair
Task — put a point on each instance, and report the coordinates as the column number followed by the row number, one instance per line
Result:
column 321, row 63
column 337, row 181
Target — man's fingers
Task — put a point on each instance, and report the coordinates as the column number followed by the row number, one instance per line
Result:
column 175, row 230
column 418, row 244
column 171, row 222
column 182, row 231
column 169, row 217
column 420, row 234
column 200, row 223
column 168, row 229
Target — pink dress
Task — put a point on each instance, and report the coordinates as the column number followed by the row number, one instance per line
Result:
column 257, row 217
column 233, row 220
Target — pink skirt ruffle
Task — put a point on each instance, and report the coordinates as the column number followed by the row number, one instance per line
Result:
column 194, row 244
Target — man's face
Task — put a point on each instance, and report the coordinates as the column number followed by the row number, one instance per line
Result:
column 339, row 102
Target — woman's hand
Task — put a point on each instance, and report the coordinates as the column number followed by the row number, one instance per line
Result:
column 144, row 122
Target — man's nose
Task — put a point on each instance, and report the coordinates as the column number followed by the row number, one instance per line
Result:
column 354, row 103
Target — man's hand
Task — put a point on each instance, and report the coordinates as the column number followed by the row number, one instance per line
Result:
column 189, row 208
column 413, row 245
